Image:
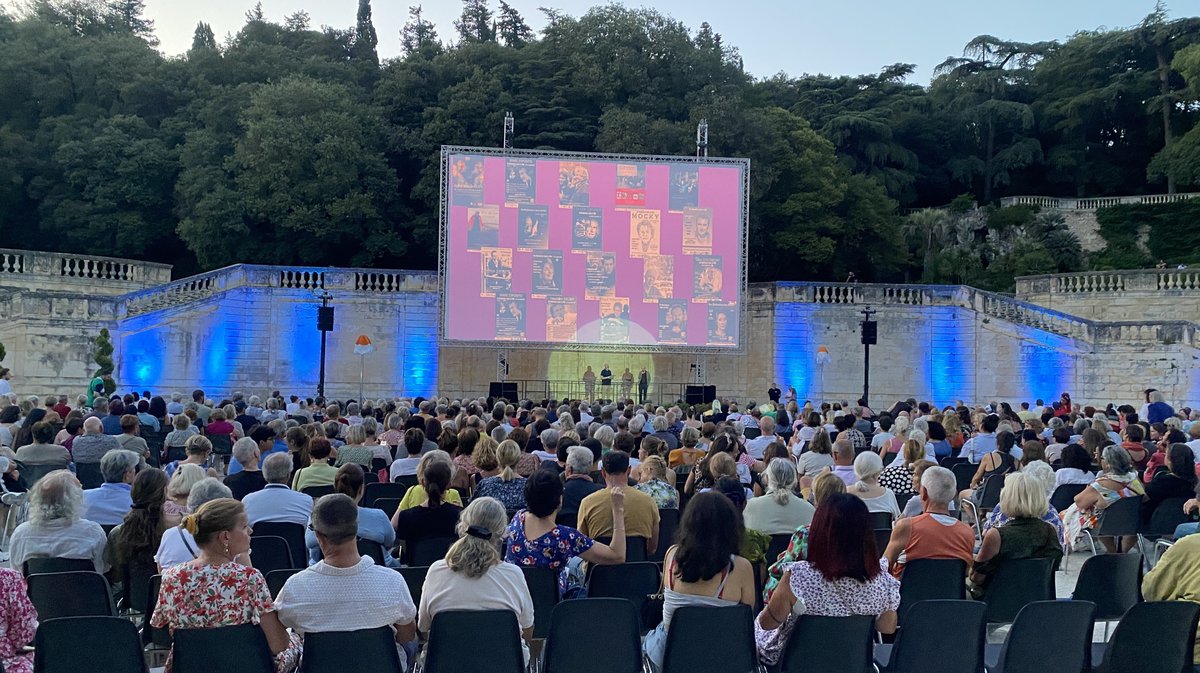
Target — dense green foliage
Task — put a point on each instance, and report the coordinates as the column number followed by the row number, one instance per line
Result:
column 286, row 144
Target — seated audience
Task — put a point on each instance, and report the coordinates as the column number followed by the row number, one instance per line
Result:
column 355, row 450
column 754, row 544
column 780, row 510
column 652, row 481
column 183, row 429
column 108, row 504
column 320, row 471
column 506, row 486
column 91, row 446
column 994, row 463
column 843, row 462
column 1076, row 466
column 867, row 467
column 825, row 485
column 130, row 437
column 55, row 528
column 842, row 576
column 177, row 545
column 42, row 453
column 199, row 452
column 689, row 450
column 134, row 542
column 1176, row 577
column 817, row 456
column 934, row 533
column 533, row 539
column 414, row 445
column 248, row 478
column 276, row 502
column 641, row 513
column 1025, row 535
column 216, row 590
column 898, row 478
column 345, row 591
column 1177, row 481
column 578, row 483
column 435, row 516
column 265, row 440
column 178, row 490
column 1044, row 474
column 473, row 576
column 1117, row 479
column 373, row 524
column 18, row 622
column 703, row 568
column 415, row 495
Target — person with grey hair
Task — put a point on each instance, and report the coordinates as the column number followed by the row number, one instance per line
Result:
column 1118, row 479
column 277, row 502
column 662, row 430
column 934, row 533
column 867, row 468
column 249, row 479
column 779, row 511
column 55, row 528
column 549, row 451
column 605, row 435
column 345, row 591
column 91, row 446
column 108, row 504
column 578, row 483
column 175, row 406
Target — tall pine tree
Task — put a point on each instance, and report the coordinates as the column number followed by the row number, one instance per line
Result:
column 418, row 37
column 475, row 23
column 511, row 27
column 128, row 15
column 203, row 38
column 365, row 39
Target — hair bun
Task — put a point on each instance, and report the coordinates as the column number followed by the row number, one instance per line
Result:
column 191, row 524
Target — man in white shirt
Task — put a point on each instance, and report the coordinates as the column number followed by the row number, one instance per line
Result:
column 757, row 447
column 276, row 502
column 983, row 443
column 108, row 504
column 414, row 444
column 884, row 434
column 346, row 591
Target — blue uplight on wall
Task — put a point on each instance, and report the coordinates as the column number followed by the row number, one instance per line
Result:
column 417, row 349
column 301, row 346
column 950, row 347
column 1047, row 371
column 141, row 364
column 795, row 352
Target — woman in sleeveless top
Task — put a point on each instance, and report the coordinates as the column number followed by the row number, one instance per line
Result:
column 997, row 462
column 1025, row 536
column 703, row 569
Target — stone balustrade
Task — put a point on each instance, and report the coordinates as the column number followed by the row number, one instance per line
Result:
column 1101, row 282
column 26, row 269
column 1093, row 203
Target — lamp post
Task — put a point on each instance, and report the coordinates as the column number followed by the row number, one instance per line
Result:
column 325, row 326
column 870, row 336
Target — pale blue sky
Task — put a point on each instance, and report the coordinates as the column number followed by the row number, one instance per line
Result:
column 799, row 36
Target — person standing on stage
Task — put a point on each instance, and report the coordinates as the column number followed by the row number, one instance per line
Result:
column 606, row 379
column 589, row 384
column 643, row 386
column 626, row 384
column 774, row 393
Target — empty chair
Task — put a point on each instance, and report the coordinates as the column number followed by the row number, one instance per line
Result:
column 1156, row 637
column 1163, row 521
column 631, row 581
column 43, row 565
column 1045, row 636
column 1064, row 496
column 92, row 644
column 135, row 580
column 829, row 645
column 425, row 552
column 222, row 445
column 292, row 533
column 1016, row 584
column 270, row 552
column 930, row 579
column 575, row 645
column 277, row 578
column 668, row 522
column 543, row 589
column 371, row 650
column 635, row 548
column 1111, row 582
column 691, row 634
column 495, row 643
column 960, row 623
column 74, row 594
column 372, row 492
column 241, row 649
column 1118, row 519
column 159, row 638
column 414, row 577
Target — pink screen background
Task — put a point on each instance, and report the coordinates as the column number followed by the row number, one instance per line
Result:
column 472, row 317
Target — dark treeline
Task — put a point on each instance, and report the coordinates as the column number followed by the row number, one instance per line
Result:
column 291, row 145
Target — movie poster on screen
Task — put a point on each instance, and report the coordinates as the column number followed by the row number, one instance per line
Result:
column 614, row 320
column 466, row 180
column 586, row 228
column 574, row 185
column 722, row 323
column 707, row 278
column 658, row 277
column 644, row 232
column 684, row 187
column 697, row 231
column 533, row 227
column 510, row 316
column 520, row 181
column 631, row 186
column 496, row 271
column 547, row 273
column 561, row 318
column 601, row 275
column 483, row 227
column 672, row 321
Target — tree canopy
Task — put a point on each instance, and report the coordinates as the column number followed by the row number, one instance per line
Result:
column 289, row 144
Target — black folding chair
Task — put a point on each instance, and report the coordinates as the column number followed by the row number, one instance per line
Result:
column 1064, row 496
column 963, row 474
column 631, row 581
column 495, row 643
column 233, row 649
column 543, row 589
column 373, row 492
column 958, row 622
column 43, row 565
column 668, row 523
column 269, row 552
column 569, row 519
column 931, row 579
column 692, row 630
column 176, row 454
column 1163, row 521
column 1112, row 582
column 371, row 650
column 882, row 537
column 1117, row 520
column 277, row 578
column 372, row 549
column 881, row 520
column 89, row 475
column 222, row 446
column 950, row 461
column 292, row 533
column 135, row 582
column 73, row 594
column 989, row 497
column 425, row 552
column 316, row 492
column 1045, row 636
column 779, row 545
column 92, row 644
column 635, row 548
column 1156, row 637
column 387, row 505
column 1016, row 584
column 573, row 641
column 378, row 464
column 414, row 577
column 159, row 638
column 407, row 481
column 829, row 645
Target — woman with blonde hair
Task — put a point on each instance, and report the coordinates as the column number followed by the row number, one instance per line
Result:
column 178, row 489
column 416, row 495
column 900, row 430
column 899, row 478
column 506, row 486
column 653, row 482
column 355, row 450
column 1025, row 535
column 473, row 575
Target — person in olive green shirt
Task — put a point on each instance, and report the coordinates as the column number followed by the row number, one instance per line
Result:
column 1176, row 577
column 320, row 472
column 641, row 512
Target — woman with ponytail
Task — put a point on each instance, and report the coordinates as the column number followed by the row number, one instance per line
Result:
column 473, row 576
column 780, row 511
column 134, row 542
column 216, row 589
column 436, row 516
column 507, row 486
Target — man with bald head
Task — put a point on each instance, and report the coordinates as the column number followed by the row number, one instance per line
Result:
column 843, row 461
column 91, row 446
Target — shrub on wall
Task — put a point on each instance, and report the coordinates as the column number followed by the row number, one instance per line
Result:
column 1172, row 235
column 103, row 358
